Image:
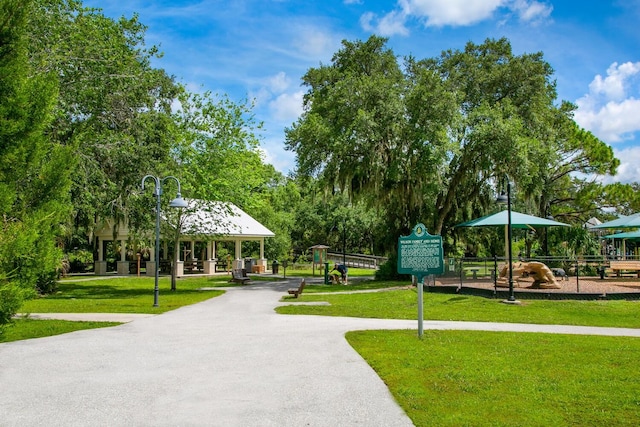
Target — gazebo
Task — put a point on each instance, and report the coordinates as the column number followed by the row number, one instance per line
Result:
column 202, row 221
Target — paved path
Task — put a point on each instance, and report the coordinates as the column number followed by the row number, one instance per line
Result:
column 228, row 361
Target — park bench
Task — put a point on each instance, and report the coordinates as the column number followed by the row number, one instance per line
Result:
column 222, row 266
column 297, row 291
column 238, row 277
column 619, row 267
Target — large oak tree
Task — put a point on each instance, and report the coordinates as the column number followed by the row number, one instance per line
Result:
column 435, row 139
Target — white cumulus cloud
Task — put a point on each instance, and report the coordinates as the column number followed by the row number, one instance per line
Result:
column 390, row 24
column 454, row 13
column 279, row 82
column 438, row 13
column 531, row 11
column 287, row 107
column 629, row 169
column 611, row 108
column 313, row 41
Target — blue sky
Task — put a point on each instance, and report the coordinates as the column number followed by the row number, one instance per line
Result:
column 259, row 49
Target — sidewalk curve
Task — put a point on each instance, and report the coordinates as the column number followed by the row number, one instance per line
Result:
column 227, row 361
column 89, row 317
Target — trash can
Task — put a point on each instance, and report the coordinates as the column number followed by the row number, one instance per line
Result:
column 274, row 267
column 248, row 264
column 326, row 273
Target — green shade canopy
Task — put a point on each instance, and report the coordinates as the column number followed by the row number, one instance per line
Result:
column 632, row 235
column 518, row 220
column 631, row 221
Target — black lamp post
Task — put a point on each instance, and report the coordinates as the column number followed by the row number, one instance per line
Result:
column 501, row 199
column 344, row 242
column 178, row 202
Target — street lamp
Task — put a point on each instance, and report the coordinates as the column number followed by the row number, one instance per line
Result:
column 344, row 242
column 178, row 202
column 502, row 199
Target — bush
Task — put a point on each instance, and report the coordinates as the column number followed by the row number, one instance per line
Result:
column 78, row 260
column 11, row 298
column 389, row 270
column 46, row 283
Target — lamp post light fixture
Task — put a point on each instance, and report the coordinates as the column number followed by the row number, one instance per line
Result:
column 502, row 199
column 178, row 202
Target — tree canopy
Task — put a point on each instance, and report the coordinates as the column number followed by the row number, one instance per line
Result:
column 435, row 139
column 383, row 143
column 34, row 172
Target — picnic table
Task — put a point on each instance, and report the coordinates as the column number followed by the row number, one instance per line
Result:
column 474, row 271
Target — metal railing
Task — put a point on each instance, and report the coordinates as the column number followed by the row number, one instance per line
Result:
column 589, row 276
column 356, row 260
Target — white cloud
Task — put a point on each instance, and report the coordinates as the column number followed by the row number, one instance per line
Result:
column 279, row 83
column 270, row 86
column 390, row 24
column 532, row 11
column 274, row 153
column 438, row 13
column 629, row 169
column 313, row 41
column 611, row 108
column 614, row 86
column 287, row 107
column 455, row 13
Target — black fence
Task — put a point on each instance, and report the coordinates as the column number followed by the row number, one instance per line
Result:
column 541, row 278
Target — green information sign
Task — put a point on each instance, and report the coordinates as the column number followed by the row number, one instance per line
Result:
column 420, row 253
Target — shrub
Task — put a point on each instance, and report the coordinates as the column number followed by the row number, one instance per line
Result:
column 389, row 270
column 46, row 283
column 78, row 260
column 11, row 298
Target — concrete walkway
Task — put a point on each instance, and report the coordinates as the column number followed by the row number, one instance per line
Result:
column 228, row 361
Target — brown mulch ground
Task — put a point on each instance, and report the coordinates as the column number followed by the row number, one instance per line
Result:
column 582, row 285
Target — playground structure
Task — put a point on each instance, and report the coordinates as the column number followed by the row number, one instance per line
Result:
column 542, row 275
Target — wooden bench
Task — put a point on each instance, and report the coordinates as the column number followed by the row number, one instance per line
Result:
column 619, row 267
column 297, row 291
column 238, row 277
column 222, row 266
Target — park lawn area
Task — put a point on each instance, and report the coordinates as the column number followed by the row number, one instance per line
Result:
column 108, row 295
column 472, row 378
column 124, row 295
column 367, row 285
column 25, row 328
column 403, row 304
column 308, row 272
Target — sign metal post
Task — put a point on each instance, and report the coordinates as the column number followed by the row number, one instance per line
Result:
column 420, row 254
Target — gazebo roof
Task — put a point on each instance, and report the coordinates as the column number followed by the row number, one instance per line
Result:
column 222, row 219
column 206, row 219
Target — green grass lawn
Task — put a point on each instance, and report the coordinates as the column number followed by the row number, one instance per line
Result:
column 110, row 295
column 447, row 378
column 353, row 286
column 124, row 295
column 470, row 378
column 309, row 272
column 402, row 304
column 26, row 328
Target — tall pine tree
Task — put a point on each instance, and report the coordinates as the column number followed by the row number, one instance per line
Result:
column 34, row 173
